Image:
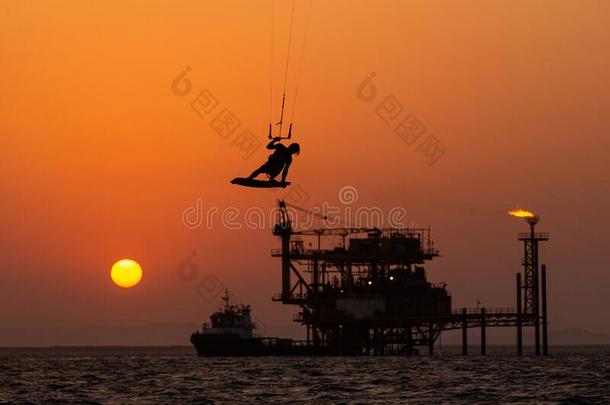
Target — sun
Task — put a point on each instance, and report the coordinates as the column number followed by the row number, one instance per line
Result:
column 126, row 273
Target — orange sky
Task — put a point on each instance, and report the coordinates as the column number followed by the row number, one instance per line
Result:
column 99, row 158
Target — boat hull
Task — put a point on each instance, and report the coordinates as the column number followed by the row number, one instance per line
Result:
column 227, row 345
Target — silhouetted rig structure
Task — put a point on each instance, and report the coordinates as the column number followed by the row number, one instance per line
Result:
column 370, row 295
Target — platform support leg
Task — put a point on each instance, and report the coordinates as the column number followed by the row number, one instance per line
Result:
column 545, row 337
column 519, row 319
column 537, row 310
column 464, row 333
column 483, row 337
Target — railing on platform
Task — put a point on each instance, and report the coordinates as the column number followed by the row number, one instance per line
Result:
column 488, row 311
column 537, row 235
column 280, row 297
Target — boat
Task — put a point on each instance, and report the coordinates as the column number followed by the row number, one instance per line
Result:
column 231, row 333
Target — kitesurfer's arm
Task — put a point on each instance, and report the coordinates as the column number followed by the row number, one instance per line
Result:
column 273, row 144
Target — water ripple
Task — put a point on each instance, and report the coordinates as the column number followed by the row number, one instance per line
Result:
column 170, row 375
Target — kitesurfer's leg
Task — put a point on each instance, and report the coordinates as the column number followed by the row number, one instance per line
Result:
column 258, row 171
column 271, row 168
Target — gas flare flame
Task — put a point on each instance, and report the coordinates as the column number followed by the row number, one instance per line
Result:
column 519, row 213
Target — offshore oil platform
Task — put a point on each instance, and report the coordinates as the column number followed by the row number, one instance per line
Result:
column 370, row 294
column 364, row 291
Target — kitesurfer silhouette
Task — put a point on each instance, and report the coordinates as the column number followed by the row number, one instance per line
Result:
column 279, row 161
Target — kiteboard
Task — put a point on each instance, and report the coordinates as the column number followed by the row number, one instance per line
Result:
column 271, row 183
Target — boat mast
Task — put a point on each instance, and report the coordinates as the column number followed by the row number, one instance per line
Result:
column 225, row 299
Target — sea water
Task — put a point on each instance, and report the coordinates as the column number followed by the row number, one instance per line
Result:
column 175, row 375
